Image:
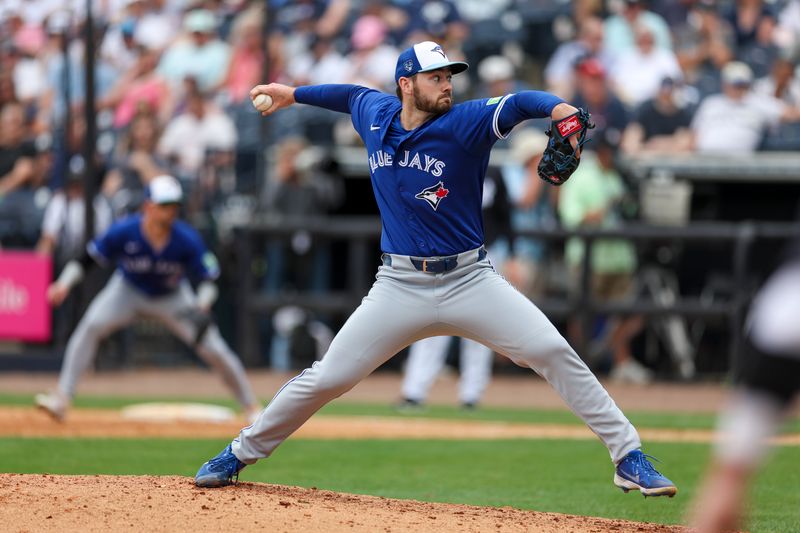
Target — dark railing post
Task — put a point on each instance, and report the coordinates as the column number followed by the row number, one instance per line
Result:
column 249, row 344
column 358, row 265
column 744, row 240
column 585, row 311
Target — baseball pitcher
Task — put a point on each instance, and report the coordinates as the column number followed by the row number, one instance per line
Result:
column 427, row 159
column 153, row 253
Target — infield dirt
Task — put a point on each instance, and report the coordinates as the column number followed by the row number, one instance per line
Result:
column 146, row 503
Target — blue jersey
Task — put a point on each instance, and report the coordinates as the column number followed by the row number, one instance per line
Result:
column 428, row 181
column 155, row 273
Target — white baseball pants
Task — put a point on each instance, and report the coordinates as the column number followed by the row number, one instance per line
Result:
column 118, row 304
column 426, row 359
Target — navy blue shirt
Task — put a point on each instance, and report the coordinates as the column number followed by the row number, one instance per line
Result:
column 428, row 181
column 154, row 273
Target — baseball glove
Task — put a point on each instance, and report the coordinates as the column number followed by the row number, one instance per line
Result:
column 200, row 319
column 559, row 160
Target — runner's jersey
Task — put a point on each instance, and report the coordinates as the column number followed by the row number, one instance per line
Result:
column 154, row 273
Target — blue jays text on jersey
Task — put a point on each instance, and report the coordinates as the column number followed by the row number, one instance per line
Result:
column 423, row 162
column 155, row 273
column 428, row 181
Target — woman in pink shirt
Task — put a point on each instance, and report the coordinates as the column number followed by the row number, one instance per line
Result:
column 247, row 59
column 141, row 88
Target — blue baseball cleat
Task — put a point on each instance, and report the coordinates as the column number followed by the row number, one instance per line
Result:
column 219, row 471
column 635, row 472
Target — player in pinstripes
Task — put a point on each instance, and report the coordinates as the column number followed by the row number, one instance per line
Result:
column 153, row 253
column 427, row 159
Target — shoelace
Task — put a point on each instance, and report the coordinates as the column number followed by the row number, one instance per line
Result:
column 228, row 463
column 646, row 465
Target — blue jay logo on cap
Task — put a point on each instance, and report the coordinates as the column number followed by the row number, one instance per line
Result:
column 409, row 65
column 438, row 49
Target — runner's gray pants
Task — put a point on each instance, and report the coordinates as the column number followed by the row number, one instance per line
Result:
column 118, row 304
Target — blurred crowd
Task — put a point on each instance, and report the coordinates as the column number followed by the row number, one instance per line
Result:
column 172, row 79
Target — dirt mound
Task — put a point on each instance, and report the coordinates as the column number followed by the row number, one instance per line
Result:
column 172, row 503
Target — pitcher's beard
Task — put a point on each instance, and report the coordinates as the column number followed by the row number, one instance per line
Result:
column 436, row 107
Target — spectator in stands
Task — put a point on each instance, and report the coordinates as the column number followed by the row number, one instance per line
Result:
column 497, row 76
column 300, row 23
column 247, row 59
column 19, row 180
column 299, row 188
column 332, row 16
column 559, row 74
column 436, row 19
column 140, row 88
column 134, row 164
column 371, row 63
column 321, row 63
column 674, row 12
column 734, row 121
column 7, row 90
column 704, row 43
column 660, row 125
column 594, row 94
column 787, row 34
column 187, row 138
column 30, row 76
column 533, row 207
column 201, row 55
column 781, row 83
column 637, row 72
column 618, row 32
column 754, row 23
column 106, row 74
column 63, row 225
column 158, row 24
column 70, row 145
column 119, row 45
column 17, row 152
column 596, row 197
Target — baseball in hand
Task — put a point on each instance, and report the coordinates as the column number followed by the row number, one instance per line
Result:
column 262, row 102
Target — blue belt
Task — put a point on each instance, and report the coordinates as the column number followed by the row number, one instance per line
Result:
column 437, row 265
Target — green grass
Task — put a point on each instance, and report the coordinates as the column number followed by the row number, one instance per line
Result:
column 499, row 414
column 559, row 476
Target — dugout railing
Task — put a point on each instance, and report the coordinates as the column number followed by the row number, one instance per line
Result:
column 362, row 234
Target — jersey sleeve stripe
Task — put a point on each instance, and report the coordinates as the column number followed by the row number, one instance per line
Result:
column 496, row 117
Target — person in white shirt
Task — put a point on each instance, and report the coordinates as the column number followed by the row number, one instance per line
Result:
column 64, row 222
column 734, row 121
column 188, row 136
column 637, row 73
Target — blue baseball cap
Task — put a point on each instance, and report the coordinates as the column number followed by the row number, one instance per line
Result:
column 424, row 57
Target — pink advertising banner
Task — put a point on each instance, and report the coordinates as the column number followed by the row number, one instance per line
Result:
column 24, row 312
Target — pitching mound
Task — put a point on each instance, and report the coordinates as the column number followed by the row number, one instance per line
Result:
column 149, row 503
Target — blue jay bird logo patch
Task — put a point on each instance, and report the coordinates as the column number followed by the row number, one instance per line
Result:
column 433, row 195
column 438, row 50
